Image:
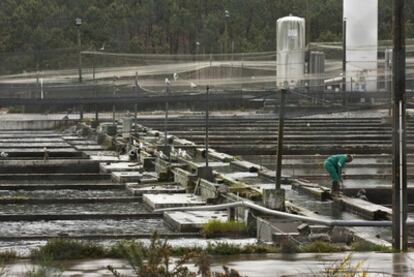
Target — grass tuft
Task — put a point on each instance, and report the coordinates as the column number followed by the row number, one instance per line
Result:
column 365, row 246
column 65, row 249
column 320, row 247
column 215, row 228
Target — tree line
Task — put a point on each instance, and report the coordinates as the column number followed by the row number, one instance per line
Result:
column 169, row 26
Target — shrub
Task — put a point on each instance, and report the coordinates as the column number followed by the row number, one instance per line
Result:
column 365, row 246
column 153, row 261
column 64, row 249
column 45, row 268
column 15, row 109
column 8, row 256
column 320, row 247
column 344, row 267
column 223, row 248
column 216, row 228
column 287, row 246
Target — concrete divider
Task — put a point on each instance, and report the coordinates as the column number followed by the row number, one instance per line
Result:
column 50, row 217
column 49, row 166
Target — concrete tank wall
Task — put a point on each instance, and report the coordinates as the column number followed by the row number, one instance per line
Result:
column 33, row 124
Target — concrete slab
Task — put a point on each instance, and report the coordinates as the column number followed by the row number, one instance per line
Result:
column 143, row 178
column 365, row 209
column 6, row 145
column 240, row 175
column 159, row 201
column 192, row 221
column 31, row 140
column 121, row 166
column 69, row 138
column 251, row 167
column 214, row 165
column 139, row 190
column 107, row 158
column 88, row 147
column 28, row 135
column 49, row 166
column 220, row 156
column 83, row 142
column 36, row 150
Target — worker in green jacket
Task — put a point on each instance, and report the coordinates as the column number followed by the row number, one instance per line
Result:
column 334, row 164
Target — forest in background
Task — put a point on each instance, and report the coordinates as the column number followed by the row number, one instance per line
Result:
column 44, row 27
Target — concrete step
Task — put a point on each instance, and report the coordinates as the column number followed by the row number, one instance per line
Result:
column 53, row 176
column 159, row 201
column 38, row 152
column 60, row 186
column 192, row 221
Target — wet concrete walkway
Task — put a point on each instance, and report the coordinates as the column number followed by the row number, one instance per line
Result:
column 271, row 265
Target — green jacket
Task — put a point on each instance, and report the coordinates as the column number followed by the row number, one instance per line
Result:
column 338, row 161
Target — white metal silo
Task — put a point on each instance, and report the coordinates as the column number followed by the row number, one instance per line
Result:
column 290, row 50
column 361, row 17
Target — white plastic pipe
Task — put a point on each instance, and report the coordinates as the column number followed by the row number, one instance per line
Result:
column 327, row 222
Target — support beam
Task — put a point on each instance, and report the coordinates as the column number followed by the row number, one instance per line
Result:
column 206, row 123
column 167, row 148
column 399, row 162
column 135, row 118
column 279, row 153
column 275, row 198
column 344, row 100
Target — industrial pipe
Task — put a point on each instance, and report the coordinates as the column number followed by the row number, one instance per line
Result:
column 327, row 222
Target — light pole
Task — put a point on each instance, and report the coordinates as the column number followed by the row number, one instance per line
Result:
column 78, row 23
column 344, row 61
column 226, row 19
column 198, row 69
column 207, row 122
column 399, row 155
column 113, row 105
column 167, row 94
column 136, row 105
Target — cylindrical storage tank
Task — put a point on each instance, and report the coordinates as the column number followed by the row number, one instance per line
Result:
column 361, row 25
column 290, row 50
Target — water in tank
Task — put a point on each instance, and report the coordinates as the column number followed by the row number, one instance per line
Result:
column 290, row 41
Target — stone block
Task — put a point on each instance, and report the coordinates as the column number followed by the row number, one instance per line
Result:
column 274, row 199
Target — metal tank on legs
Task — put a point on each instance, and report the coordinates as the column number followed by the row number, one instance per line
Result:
column 290, row 50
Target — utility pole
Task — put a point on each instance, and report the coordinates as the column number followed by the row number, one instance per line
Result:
column 78, row 23
column 399, row 161
column 280, row 139
column 136, row 104
column 95, row 92
column 207, row 122
column 275, row 198
column 344, row 61
column 167, row 149
column 308, row 37
column 226, row 19
column 113, row 105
